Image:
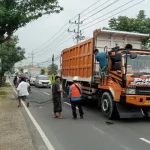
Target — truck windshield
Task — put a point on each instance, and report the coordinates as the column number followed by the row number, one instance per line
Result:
column 141, row 64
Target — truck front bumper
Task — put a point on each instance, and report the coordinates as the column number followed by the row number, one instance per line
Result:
column 138, row 100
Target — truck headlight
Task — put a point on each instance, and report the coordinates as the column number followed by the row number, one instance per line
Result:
column 130, row 91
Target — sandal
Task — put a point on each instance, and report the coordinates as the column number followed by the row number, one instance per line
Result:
column 61, row 117
column 55, row 116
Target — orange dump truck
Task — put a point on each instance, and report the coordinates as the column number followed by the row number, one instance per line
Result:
column 125, row 91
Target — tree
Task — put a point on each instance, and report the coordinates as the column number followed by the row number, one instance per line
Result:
column 10, row 53
column 139, row 24
column 42, row 71
column 53, row 67
column 15, row 14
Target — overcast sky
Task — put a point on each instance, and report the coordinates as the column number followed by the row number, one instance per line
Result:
column 37, row 33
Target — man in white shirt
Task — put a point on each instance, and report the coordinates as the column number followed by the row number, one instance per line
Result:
column 23, row 91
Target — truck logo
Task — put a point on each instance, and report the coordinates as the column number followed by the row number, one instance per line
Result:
column 139, row 81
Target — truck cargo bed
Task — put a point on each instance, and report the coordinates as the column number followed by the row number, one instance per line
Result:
column 78, row 61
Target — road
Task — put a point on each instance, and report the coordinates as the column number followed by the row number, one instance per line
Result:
column 92, row 133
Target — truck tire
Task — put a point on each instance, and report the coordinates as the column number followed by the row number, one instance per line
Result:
column 108, row 106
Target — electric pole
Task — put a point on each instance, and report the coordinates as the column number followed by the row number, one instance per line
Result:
column 78, row 33
column 52, row 62
column 32, row 55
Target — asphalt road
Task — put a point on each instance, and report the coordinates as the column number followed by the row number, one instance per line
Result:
column 92, row 133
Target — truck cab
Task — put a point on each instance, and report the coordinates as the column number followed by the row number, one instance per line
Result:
column 127, row 88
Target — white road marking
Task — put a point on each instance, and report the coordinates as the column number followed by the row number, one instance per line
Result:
column 99, row 130
column 46, row 93
column 145, row 140
column 45, row 139
column 69, row 104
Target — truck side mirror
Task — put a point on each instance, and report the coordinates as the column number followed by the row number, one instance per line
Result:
column 133, row 55
column 118, row 57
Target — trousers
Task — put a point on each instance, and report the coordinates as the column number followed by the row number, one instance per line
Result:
column 73, row 106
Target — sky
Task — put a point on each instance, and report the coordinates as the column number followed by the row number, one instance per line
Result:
column 37, row 36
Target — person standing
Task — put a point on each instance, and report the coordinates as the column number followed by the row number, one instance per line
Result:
column 75, row 97
column 101, row 57
column 56, row 93
column 15, row 81
column 23, row 91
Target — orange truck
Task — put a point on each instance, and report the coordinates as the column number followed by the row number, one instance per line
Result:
column 125, row 91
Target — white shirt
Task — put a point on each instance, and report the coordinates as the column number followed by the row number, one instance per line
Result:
column 23, row 89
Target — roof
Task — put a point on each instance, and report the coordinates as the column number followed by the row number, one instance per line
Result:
column 124, row 33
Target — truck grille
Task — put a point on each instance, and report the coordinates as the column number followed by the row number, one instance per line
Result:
column 143, row 90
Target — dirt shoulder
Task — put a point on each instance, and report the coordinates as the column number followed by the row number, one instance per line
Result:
column 14, row 134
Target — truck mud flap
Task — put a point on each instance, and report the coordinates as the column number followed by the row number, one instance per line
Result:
column 146, row 111
column 128, row 111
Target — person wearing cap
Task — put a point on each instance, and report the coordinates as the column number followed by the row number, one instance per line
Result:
column 74, row 95
column 101, row 57
column 56, row 93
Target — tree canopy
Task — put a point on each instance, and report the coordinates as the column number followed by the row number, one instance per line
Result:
column 139, row 24
column 10, row 53
column 42, row 71
column 15, row 14
column 53, row 67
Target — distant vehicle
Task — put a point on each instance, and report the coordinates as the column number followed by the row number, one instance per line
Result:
column 42, row 81
column 13, row 75
column 33, row 73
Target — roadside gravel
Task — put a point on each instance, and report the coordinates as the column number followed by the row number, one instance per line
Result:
column 14, row 134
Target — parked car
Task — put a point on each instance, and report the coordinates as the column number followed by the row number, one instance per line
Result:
column 42, row 81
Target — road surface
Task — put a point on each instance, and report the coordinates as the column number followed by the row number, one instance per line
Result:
column 92, row 133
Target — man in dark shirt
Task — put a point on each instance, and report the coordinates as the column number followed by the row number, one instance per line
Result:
column 56, row 93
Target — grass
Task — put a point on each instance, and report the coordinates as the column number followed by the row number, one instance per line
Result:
column 3, row 93
column 7, row 85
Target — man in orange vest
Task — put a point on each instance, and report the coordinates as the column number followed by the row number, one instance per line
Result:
column 75, row 97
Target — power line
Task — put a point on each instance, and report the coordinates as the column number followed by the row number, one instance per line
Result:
column 49, row 60
column 114, row 14
column 90, row 6
column 102, row 9
column 54, row 35
column 64, row 26
column 109, row 12
column 53, row 44
column 52, row 48
column 93, row 10
column 54, row 40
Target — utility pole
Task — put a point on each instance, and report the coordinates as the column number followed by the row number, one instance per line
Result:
column 52, row 66
column 32, row 55
column 78, row 33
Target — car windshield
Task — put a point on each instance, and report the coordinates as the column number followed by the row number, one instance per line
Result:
column 141, row 64
column 43, row 78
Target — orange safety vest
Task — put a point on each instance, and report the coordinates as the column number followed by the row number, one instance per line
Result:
column 74, row 90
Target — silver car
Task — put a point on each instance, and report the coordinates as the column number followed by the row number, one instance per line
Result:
column 42, row 81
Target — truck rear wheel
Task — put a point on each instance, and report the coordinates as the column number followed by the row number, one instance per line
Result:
column 108, row 107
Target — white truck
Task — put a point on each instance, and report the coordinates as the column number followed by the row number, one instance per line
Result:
column 33, row 73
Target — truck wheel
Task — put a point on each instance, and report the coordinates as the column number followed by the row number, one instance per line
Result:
column 108, row 107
